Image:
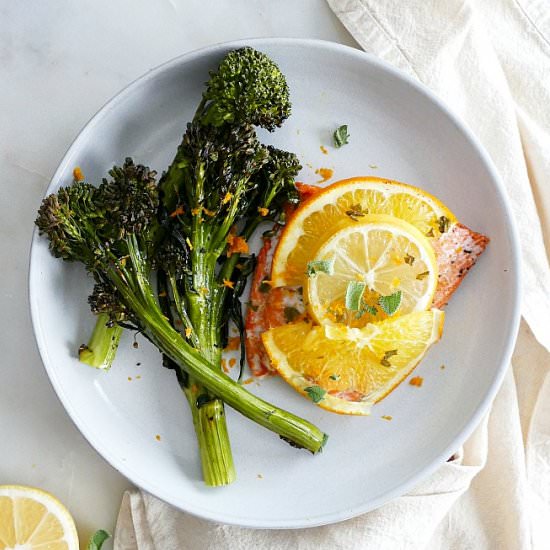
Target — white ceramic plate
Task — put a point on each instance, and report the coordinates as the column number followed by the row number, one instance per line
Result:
column 398, row 130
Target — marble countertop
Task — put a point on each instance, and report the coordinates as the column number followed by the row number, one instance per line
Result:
column 59, row 63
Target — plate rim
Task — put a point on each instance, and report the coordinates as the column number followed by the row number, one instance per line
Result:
column 465, row 431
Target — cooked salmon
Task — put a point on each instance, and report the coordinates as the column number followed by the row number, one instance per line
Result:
column 456, row 250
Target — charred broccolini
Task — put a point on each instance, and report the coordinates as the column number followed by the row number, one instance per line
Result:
column 222, row 183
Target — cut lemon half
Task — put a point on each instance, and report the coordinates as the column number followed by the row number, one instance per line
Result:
column 346, row 370
column 344, row 203
column 33, row 519
column 377, row 257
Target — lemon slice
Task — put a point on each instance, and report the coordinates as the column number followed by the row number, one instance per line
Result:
column 377, row 257
column 342, row 204
column 346, row 370
column 33, row 519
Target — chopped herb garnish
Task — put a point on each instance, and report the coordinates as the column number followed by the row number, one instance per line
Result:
column 334, row 377
column 390, row 304
column 443, row 223
column 354, row 295
column 366, row 308
column 370, row 309
column 422, row 275
column 320, row 266
column 409, row 259
column 387, row 356
column 291, row 314
column 97, row 540
column 356, row 211
column 341, row 136
column 430, row 233
column 315, row 393
column 264, row 287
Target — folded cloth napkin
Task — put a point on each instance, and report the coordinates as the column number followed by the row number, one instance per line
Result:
column 490, row 62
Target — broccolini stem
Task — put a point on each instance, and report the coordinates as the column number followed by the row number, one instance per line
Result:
column 289, row 426
column 211, row 428
column 210, row 425
column 103, row 344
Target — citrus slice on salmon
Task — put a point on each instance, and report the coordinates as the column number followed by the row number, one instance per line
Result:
column 346, row 370
column 378, row 258
column 345, row 203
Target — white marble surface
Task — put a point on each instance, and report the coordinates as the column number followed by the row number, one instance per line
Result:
column 59, row 62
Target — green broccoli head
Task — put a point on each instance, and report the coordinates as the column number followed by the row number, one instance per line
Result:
column 214, row 169
column 173, row 255
column 247, row 88
column 68, row 217
column 105, row 299
column 276, row 180
column 130, row 199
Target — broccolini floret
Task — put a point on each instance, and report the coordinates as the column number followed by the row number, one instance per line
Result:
column 247, row 88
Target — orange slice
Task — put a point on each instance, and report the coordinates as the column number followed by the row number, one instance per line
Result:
column 343, row 204
column 346, row 370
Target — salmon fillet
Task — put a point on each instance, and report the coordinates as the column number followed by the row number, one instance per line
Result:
column 456, row 252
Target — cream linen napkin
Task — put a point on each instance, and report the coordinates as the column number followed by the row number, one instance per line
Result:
column 490, row 61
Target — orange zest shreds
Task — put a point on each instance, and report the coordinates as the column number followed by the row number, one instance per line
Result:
column 387, row 417
column 232, row 362
column 263, row 211
column 209, row 212
column 188, row 332
column 324, row 150
column 188, row 243
column 416, row 381
column 78, row 175
column 179, row 211
column 227, row 198
column 229, row 284
column 237, row 245
column 233, row 343
column 307, row 191
column 224, row 366
column 248, row 381
column 162, row 294
column 325, row 173
column 196, row 211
